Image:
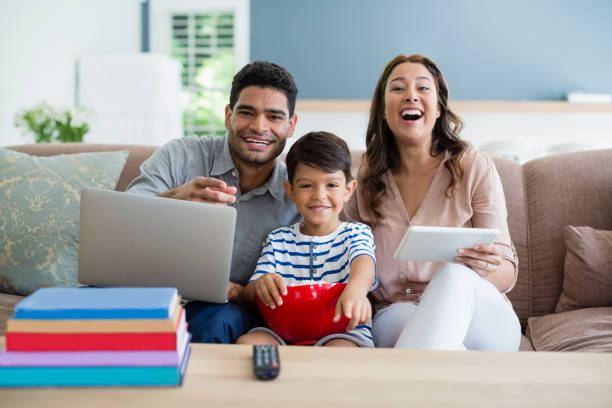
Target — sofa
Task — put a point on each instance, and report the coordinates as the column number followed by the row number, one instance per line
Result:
column 543, row 197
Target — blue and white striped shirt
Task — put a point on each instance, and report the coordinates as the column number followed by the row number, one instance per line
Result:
column 303, row 259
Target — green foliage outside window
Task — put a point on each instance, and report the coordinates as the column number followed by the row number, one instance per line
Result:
column 203, row 44
column 206, row 109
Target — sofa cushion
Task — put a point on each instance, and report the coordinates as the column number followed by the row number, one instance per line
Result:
column 7, row 309
column 511, row 176
column 567, row 189
column 525, row 344
column 576, row 330
column 587, row 280
column 39, row 215
column 138, row 154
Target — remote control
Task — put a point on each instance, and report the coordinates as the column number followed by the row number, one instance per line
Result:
column 266, row 363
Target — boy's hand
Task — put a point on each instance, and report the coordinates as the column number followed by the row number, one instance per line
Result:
column 354, row 306
column 269, row 289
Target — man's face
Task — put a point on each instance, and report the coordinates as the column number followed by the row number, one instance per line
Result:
column 259, row 125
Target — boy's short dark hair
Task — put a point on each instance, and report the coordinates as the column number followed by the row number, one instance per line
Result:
column 321, row 150
column 264, row 74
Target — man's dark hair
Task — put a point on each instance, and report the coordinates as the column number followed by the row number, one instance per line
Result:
column 266, row 75
column 321, row 150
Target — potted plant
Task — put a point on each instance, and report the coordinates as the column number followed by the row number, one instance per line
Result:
column 54, row 124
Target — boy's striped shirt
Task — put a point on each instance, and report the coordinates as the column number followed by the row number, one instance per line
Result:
column 302, row 259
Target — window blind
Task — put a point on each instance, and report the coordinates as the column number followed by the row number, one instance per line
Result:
column 203, row 42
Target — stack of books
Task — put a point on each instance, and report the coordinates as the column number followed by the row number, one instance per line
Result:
column 96, row 337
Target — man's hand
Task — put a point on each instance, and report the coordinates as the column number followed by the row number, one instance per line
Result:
column 354, row 306
column 234, row 292
column 269, row 289
column 204, row 189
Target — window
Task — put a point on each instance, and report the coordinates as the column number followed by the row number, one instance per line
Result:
column 210, row 40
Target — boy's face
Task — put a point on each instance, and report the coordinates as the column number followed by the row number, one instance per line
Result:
column 319, row 196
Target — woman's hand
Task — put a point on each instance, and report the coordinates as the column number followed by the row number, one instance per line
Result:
column 269, row 289
column 484, row 259
column 354, row 306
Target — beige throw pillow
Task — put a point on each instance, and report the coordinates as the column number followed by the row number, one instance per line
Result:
column 39, row 214
column 587, row 280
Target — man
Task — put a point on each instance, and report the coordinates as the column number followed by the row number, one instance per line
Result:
column 242, row 170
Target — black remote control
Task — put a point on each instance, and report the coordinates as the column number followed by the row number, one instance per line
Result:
column 266, row 363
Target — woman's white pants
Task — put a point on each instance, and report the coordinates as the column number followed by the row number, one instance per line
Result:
column 458, row 310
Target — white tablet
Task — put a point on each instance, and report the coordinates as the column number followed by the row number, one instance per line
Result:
column 440, row 244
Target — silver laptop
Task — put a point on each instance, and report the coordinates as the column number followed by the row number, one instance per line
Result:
column 134, row 240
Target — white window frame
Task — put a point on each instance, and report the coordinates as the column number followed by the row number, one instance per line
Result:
column 161, row 34
column 160, row 25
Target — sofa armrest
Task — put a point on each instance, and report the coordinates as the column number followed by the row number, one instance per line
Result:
column 7, row 309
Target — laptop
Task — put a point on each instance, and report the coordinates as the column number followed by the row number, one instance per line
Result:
column 135, row 240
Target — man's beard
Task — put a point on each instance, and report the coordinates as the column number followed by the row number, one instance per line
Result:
column 246, row 158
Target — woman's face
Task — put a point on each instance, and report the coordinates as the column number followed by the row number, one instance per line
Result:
column 411, row 104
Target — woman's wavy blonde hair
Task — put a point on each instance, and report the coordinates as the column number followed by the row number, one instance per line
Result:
column 381, row 150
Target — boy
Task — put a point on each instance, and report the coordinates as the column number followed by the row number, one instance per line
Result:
column 321, row 248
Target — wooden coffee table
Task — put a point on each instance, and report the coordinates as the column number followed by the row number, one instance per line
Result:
column 221, row 375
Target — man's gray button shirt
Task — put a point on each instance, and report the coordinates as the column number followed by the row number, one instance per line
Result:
column 258, row 212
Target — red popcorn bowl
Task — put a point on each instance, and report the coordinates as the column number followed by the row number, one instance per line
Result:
column 307, row 313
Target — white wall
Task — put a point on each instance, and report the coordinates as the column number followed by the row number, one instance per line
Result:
column 518, row 135
column 40, row 42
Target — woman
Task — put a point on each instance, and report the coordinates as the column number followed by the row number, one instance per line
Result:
column 418, row 171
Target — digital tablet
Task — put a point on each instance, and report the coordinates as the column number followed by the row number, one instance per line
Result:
column 440, row 244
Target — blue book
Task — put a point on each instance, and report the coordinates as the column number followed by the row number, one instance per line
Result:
column 99, row 303
column 94, row 376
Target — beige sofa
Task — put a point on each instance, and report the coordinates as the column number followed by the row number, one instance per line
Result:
column 543, row 196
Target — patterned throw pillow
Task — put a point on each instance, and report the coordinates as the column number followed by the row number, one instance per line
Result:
column 39, row 214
